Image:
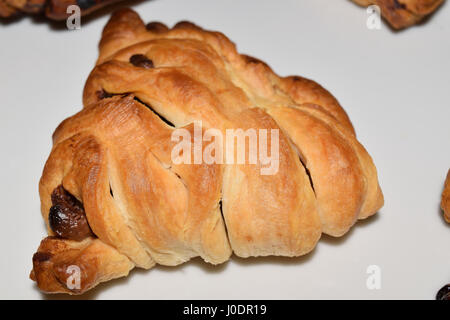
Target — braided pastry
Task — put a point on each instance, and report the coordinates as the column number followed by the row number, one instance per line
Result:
column 113, row 198
column 445, row 203
column 401, row 14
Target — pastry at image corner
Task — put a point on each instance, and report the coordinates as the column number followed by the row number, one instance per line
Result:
column 113, row 199
column 401, row 14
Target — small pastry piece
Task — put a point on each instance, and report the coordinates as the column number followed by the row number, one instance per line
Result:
column 401, row 14
column 112, row 168
column 445, row 203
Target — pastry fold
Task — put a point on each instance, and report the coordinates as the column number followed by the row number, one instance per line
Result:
column 143, row 207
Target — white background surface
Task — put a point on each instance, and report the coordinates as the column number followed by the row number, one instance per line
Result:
column 394, row 86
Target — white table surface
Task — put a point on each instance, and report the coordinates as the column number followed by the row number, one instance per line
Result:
column 394, row 86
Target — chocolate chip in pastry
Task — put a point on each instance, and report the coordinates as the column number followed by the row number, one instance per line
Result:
column 145, row 208
column 141, row 61
column 156, row 27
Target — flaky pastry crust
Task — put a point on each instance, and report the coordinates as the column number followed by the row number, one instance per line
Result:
column 115, row 157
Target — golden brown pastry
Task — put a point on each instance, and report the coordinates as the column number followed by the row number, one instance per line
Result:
column 53, row 9
column 401, row 14
column 115, row 198
column 445, row 203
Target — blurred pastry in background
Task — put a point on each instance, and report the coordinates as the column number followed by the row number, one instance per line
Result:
column 445, row 203
column 399, row 14
column 402, row 14
column 52, row 9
